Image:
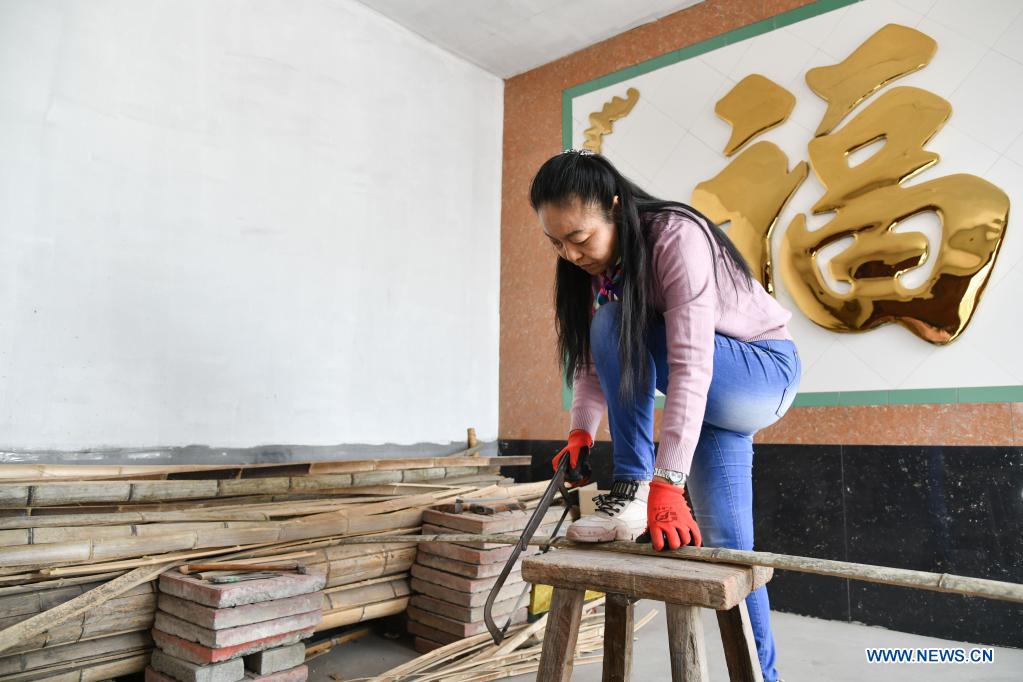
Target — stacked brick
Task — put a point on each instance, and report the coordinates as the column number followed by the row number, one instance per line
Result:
column 250, row 630
column 451, row 581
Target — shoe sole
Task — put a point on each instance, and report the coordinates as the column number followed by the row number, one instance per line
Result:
column 598, row 535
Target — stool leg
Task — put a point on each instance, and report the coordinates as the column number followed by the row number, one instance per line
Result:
column 685, row 643
column 618, row 630
column 740, row 647
column 560, row 635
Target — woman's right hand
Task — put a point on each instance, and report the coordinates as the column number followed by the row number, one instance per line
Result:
column 577, row 449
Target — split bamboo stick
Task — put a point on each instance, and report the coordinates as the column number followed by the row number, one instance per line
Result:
column 321, row 647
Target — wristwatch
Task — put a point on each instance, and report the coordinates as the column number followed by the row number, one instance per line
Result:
column 676, row 477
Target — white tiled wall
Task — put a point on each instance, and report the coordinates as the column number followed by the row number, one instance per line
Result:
column 672, row 140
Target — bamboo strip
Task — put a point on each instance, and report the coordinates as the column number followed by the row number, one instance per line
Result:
column 322, row 543
column 36, row 472
column 59, row 493
column 49, row 584
column 129, row 518
column 522, row 491
column 58, row 534
column 147, row 560
column 55, row 534
column 265, row 550
column 440, row 486
column 313, row 526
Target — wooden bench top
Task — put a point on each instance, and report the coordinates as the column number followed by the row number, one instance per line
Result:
column 677, row 581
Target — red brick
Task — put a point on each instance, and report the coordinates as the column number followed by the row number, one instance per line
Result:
column 234, row 616
column 240, row 635
column 470, row 599
column 235, row 594
column 197, row 653
column 460, row 628
column 460, row 582
column 462, row 613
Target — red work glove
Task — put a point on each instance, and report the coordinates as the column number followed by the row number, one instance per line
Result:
column 668, row 513
column 577, row 449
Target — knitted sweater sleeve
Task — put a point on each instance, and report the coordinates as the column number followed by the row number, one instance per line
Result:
column 588, row 403
column 683, row 264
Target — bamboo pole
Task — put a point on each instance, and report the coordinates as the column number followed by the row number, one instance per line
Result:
column 935, row 582
column 357, row 614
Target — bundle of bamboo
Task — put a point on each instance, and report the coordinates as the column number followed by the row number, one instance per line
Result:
column 81, row 546
column 478, row 659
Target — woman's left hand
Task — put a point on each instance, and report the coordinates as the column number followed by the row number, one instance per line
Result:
column 668, row 516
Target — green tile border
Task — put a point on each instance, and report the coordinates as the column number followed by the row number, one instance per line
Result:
column 688, row 52
column 923, row 396
column 965, row 395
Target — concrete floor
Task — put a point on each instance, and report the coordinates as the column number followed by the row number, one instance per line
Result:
column 808, row 649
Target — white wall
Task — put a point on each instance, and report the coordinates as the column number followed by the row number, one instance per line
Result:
column 672, row 140
column 237, row 222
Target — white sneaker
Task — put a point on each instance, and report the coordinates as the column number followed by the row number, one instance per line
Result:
column 620, row 515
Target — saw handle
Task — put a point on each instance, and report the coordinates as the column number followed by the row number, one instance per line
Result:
column 577, row 453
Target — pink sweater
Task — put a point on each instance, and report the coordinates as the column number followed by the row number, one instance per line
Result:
column 694, row 308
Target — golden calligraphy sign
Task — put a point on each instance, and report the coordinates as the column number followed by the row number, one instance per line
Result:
column 869, row 200
column 750, row 194
column 755, row 105
column 602, row 122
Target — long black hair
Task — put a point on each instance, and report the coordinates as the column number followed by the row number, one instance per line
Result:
column 596, row 182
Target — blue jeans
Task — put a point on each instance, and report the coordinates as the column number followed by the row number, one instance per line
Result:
column 753, row 385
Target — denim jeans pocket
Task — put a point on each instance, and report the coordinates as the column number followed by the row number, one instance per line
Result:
column 788, row 395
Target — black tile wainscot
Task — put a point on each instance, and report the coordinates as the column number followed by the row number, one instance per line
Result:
column 942, row 509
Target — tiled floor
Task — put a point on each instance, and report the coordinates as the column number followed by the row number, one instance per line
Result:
column 808, row 649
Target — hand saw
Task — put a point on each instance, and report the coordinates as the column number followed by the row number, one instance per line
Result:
column 557, row 484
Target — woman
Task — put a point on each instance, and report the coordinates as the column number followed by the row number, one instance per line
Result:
column 651, row 294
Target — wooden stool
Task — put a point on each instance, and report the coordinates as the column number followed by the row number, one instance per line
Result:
column 683, row 586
